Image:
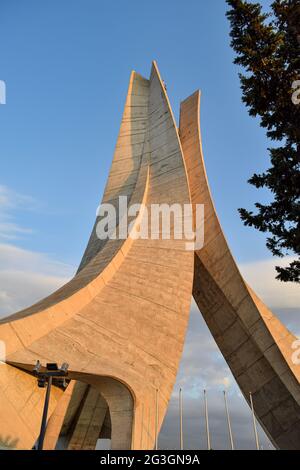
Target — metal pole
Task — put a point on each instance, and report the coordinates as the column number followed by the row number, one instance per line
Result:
column 180, row 412
column 228, row 421
column 206, row 421
column 254, row 422
column 45, row 413
column 156, row 420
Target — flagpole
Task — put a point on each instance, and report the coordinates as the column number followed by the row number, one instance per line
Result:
column 228, row 421
column 180, row 414
column 156, row 419
column 206, row 421
column 254, row 422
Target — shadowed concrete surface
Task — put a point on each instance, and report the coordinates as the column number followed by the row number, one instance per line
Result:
column 256, row 346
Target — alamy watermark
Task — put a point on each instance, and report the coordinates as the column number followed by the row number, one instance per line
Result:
column 296, row 94
column 2, row 351
column 2, row 92
column 296, row 353
column 154, row 221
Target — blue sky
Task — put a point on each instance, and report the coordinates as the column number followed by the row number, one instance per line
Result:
column 66, row 65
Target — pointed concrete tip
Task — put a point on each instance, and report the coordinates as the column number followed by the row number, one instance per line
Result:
column 196, row 93
column 134, row 74
column 155, row 67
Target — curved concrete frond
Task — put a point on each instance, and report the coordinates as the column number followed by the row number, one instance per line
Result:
column 124, row 315
column 256, row 346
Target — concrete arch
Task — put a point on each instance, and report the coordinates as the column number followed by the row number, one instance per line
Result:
column 81, row 413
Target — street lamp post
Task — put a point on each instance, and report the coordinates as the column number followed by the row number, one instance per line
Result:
column 44, row 379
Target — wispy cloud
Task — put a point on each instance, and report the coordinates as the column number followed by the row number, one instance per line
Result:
column 27, row 276
column 261, row 277
column 10, row 202
column 10, row 199
column 12, row 231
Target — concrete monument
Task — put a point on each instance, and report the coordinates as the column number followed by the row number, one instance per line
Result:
column 121, row 321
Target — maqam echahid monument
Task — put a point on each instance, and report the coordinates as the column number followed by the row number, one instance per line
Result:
column 121, row 321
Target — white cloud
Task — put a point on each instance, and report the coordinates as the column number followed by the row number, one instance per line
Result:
column 11, row 201
column 12, row 231
column 200, row 349
column 260, row 275
column 26, row 277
